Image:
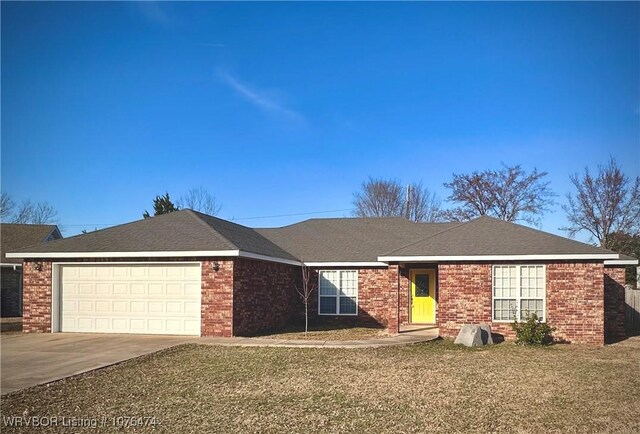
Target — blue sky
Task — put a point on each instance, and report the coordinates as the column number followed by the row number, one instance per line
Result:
column 285, row 108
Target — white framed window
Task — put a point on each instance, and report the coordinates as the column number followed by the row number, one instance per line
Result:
column 338, row 292
column 517, row 290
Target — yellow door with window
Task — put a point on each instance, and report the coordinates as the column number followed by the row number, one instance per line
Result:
column 423, row 296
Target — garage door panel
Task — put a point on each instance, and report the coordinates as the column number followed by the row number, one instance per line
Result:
column 84, row 272
column 86, row 289
column 162, row 299
column 155, row 289
column 121, row 288
column 103, row 306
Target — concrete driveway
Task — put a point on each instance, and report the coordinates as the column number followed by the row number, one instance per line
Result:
column 30, row 359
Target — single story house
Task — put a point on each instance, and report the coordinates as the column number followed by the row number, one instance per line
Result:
column 12, row 237
column 191, row 273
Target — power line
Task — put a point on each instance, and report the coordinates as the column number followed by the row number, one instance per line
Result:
column 292, row 215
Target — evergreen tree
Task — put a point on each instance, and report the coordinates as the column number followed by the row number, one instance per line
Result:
column 161, row 205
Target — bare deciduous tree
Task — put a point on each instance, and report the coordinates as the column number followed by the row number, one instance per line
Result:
column 509, row 194
column 603, row 205
column 39, row 213
column 27, row 212
column 387, row 198
column 305, row 290
column 42, row 213
column 423, row 205
column 199, row 199
column 7, row 206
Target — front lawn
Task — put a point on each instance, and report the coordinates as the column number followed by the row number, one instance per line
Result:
column 431, row 387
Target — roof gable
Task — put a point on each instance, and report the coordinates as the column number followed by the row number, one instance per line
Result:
column 15, row 236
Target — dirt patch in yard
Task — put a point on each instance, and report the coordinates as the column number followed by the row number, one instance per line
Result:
column 328, row 333
column 431, row 387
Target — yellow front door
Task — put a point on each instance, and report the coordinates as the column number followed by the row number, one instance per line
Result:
column 423, row 296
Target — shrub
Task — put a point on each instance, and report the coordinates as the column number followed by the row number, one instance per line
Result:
column 532, row 331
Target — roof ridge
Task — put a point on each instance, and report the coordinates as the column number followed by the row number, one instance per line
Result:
column 28, row 224
column 215, row 233
column 429, row 236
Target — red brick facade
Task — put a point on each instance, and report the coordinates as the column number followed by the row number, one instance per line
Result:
column 264, row 296
column 217, row 298
column 464, row 297
column 574, row 300
column 377, row 299
column 584, row 301
column 614, row 310
column 36, row 297
column 230, row 283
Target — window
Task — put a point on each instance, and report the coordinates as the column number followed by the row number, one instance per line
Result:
column 518, row 289
column 338, row 292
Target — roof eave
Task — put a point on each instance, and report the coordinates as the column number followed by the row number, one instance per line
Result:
column 151, row 254
column 621, row 262
column 475, row 258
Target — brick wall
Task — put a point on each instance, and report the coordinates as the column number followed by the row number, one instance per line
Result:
column 377, row 299
column 36, row 297
column 464, row 296
column 575, row 300
column 10, row 281
column 405, row 295
column 217, row 298
column 264, row 296
column 614, row 304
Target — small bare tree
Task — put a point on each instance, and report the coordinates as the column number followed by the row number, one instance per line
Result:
column 509, row 194
column 305, row 290
column 387, row 198
column 199, row 199
column 604, row 205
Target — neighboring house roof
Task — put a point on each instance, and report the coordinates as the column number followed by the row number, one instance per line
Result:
column 15, row 236
column 178, row 232
column 338, row 241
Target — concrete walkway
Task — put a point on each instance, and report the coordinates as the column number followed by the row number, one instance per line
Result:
column 415, row 335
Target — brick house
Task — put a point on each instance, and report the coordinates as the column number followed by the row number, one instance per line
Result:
column 190, row 273
column 15, row 236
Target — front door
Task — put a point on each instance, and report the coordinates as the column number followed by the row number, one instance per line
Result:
column 423, row 296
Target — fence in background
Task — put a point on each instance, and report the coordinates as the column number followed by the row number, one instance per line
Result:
column 632, row 310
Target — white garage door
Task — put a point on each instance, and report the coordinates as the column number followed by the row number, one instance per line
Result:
column 155, row 299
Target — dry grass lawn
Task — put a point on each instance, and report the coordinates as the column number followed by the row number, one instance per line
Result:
column 431, row 387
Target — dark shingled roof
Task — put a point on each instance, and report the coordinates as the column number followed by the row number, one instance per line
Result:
column 321, row 240
column 15, row 236
column 491, row 236
column 178, row 231
column 349, row 239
